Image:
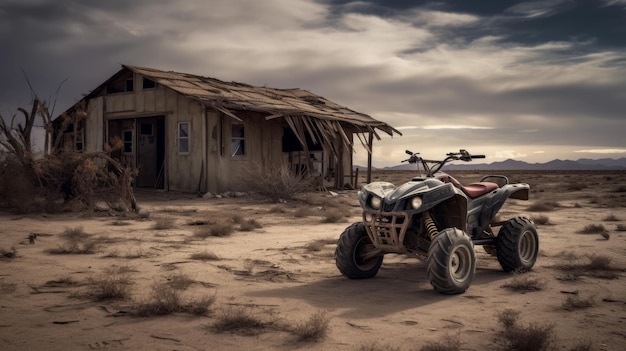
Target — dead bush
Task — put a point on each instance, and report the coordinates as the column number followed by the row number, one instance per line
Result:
column 164, row 223
column 333, row 217
column 543, row 206
column 240, row 320
column 313, row 329
column 111, row 286
column 611, row 218
column 525, row 283
column 575, row 302
column 204, row 256
column 249, row 225
column 166, row 299
column 319, row 244
column 620, row 227
column 448, row 343
column 11, row 253
column 533, row 337
column 278, row 183
column 593, row 229
column 541, row 220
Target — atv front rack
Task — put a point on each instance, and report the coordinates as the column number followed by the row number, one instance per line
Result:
column 386, row 230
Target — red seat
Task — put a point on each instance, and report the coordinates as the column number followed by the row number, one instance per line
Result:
column 475, row 190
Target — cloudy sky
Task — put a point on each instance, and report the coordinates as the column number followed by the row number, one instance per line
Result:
column 530, row 80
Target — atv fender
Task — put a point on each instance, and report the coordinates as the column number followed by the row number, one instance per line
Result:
column 496, row 199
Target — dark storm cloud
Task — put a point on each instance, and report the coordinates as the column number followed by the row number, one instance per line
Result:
column 524, row 73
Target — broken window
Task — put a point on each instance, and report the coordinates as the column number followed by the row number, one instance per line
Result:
column 238, row 145
column 127, row 138
column 148, row 83
column 183, row 137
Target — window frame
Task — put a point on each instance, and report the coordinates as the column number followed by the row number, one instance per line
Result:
column 131, row 141
column 186, row 138
column 241, row 139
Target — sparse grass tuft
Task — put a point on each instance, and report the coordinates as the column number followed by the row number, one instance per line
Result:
column 575, row 302
column 249, row 225
column 111, row 286
column 532, row 337
column 120, row 223
column 333, row 217
column 7, row 288
column 179, row 281
column 448, row 343
column 620, row 227
column 611, row 218
column 620, row 189
column 204, row 256
column 277, row 209
column 313, row 329
column 4, row 253
column 301, row 212
column 237, row 219
column 319, row 244
column 378, row 347
column 166, row 299
column 239, row 320
column 525, row 283
column 593, row 229
column 85, row 247
column 541, row 220
column 582, row 346
column 218, row 229
column 164, row 223
column 74, row 234
column 543, row 206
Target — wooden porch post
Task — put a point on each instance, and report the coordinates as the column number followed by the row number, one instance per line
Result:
column 370, row 143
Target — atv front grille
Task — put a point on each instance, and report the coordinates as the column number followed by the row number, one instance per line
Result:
column 387, row 229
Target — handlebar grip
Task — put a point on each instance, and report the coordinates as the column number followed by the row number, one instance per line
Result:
column 478, row 156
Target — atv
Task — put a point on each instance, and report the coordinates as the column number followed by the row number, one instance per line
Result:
column 435, row 218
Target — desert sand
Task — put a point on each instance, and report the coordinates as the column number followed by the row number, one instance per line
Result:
column 283, row 274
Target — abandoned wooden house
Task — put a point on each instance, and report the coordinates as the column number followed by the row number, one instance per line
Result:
column 191, row 133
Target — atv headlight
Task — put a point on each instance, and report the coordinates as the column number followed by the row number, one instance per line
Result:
column 375, row 202
column 416, row 202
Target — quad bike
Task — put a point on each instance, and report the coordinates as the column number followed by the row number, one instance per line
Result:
column 438, row 220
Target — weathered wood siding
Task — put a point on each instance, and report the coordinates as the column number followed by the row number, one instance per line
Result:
column 94, row 134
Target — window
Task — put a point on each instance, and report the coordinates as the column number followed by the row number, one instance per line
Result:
column 237, row 143
column 127, row 138
column 130, row 85
column 183, row 137
column 148, row 83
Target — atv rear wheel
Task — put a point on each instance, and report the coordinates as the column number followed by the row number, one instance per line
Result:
column 451, row 261
column 517, row 245
column 352, row 245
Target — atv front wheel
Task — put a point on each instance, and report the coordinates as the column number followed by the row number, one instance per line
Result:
column 517, row 245
column 353, row 244
column 451, row 261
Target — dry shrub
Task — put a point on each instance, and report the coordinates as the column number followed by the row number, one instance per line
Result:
column 7, row 288
column 278, row 183
column 575, row 302
column 164, row 223
column 525, row 283
column 11, row 253
column 217, row 229
column 448, row 343
column 620, row 227
column 313, row 329
column 593, row 229
column 166, row 299
column 378, row 347
column 249, row 225
column 204, row 256
column 533, row 337
column 541, row 220
column 76, row 242
column 66, row 181
column 333, row 217
column 611, row 218
column 302, row 212
column 114, row 285
column 543, row 206
column 240, row 320
column 319, row 244
column 179, row 281
column 277, row 209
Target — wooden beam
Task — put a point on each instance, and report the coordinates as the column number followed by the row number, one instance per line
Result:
column 370, row 142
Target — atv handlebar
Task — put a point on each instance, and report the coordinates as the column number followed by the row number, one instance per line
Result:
column 462, row 155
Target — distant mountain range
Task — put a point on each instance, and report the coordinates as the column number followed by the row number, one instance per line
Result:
column 604, row 164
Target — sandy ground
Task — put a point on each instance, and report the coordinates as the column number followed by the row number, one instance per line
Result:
column 281, row 275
